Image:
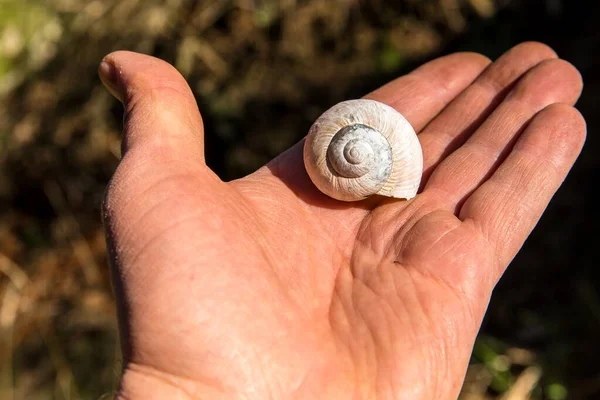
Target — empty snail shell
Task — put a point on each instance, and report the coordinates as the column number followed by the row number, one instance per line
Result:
column 359, row 148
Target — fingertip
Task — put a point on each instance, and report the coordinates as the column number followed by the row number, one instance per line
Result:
column 160, row 107
column 109, row 76
column 472, row 58
column 570, row 74
column 533, row 49
column 143, row 71
column 578, row 77
column 568, row 125
column 555, row 136
column 551, row 81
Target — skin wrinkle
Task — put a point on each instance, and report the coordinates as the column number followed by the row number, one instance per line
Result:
column 319, row 362
column 153, row 98
column 469, row 296
column 149, row 81
column 363, row 247
column 130, row 116
column 396, row 295
column 297, row 389
column 450, row 85
column 371, row 336
column 266, row 383
column 511, row 189
column 526, row 150
column 382, row 382
column 154, row 238
column 420, row 309
column 487, row 161
column 495, row 85
column 523, row 52
column 415, row 215
column 146, row 358
column 399, row 218
column 452, row 339
column 244, row 213
column 441, row 87
column 133, row 169
column 337, row 310
column 341, row 331
column 433, row 244
column 338, row 330
column 512, row 193
column 391, row 315
column 360, row 319
column 393, row 309
column 459, row 288
column 276, row 217
column 377, row 334
column 499, row 79
column 555, row 71
column 141, row 161
column 315, row 363
column 491, row 146
column 159, row 375
column 402, row 303
column 307, row 212
column 413, row 91
column 443, row 135
column 497, row 266
column 253, row 216
column 245, row 357
column 263, row 248
column 169, row 196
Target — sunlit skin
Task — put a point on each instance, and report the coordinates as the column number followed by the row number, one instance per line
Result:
column 264, row 288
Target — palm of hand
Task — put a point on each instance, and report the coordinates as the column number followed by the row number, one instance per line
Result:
column 265, row 288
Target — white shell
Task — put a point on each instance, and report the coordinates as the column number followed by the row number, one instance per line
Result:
column 363, row 147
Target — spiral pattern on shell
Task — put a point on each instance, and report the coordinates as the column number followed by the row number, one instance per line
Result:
column 359, row 148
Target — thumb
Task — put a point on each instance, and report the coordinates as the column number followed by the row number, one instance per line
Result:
column 161, row 114
column 160, row 183
column 162, row 164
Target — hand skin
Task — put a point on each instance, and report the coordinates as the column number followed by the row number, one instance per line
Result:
column 264, row 288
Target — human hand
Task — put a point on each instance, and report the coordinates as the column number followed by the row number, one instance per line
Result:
column 265, row 288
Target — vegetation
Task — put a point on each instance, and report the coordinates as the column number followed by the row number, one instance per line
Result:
column 261, row 71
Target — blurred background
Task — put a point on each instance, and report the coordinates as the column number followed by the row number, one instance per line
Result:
column 262, row 71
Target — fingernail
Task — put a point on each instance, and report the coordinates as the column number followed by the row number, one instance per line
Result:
column 109, row 77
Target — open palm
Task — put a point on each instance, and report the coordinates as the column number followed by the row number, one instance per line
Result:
column 265, row 288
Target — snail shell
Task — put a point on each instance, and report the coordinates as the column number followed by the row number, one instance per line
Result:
column 359, row 148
